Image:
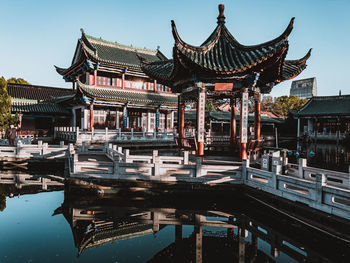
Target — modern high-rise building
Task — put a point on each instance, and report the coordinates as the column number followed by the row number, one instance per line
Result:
column 304, row 88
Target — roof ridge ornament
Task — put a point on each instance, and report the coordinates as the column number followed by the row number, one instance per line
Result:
column 221, row 17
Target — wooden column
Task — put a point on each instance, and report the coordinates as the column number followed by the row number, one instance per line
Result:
column 155, row 86
column 201, row 119
column 166, row 121
column 244, row 125
column 95, row 77
column 181, row 118
column 233, row 122
column 91, row 116
column 117, row 125
column 257, row 117
column 123, row 81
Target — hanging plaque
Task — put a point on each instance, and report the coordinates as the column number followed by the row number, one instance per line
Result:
column 201, row 115
column 244, row 118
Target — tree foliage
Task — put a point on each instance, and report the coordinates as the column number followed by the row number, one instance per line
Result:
column 285, row 104
column 209, row 106
column 282, row 105
column 17, row 81
column 6, row 119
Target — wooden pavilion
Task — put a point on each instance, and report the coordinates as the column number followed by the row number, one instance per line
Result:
column 244, row 71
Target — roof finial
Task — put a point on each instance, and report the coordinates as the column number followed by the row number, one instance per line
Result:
column 221, row 17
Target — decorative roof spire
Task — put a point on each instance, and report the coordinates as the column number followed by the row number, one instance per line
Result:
column 221, row 17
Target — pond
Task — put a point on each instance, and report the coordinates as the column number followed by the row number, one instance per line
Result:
column 66, row 226
column 329, row 156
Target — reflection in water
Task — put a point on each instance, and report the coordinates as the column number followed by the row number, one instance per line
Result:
column 17, row 184
column 236, row 233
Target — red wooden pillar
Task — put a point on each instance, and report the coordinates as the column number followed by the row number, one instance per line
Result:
column 233, row 122
column 244, row 125
column 123, row 81
column 155, row 85
column 181, row 121
column 91, row 116
column 95, row 77
column 257, row 118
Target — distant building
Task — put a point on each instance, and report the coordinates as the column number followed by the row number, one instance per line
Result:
column 325, row 118
column 304, row 88
column 38, row 108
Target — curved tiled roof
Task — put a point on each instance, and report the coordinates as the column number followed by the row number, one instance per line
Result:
column 326, row 106
column 124, row 96
column 33, row 106
column 34, row 92
column 292, row 68
column 112, row 53
column 222, row 58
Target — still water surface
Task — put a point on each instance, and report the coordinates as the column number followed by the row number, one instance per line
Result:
column 60, row 227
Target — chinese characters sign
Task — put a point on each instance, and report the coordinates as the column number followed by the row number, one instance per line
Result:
column 244, row 118
column 201, row 115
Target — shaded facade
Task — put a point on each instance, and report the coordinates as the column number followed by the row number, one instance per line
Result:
column 36, row 106
column 112, row 91
column 325, row 118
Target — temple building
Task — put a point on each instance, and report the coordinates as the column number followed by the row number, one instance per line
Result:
column 325, row 118
column 243, row 72
column 112, row 90
column 37, row 108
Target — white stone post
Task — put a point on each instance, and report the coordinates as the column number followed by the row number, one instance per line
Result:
column 119, row 134
column 126, row 155
column 106, row 134
column 245, row 165
column 44, row 183
column 44, row 149
column 185, row 160
column 321, row 180
column 132, row 133
column 116, row 167
column 198, row 166
column 302, row 165
column 155, row 161
column 120, row 149
column 277, row 170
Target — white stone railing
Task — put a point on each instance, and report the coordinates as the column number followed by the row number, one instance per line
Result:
column 318, row 192
column 123, row 165
column 328, row 191
column 334, row 178
column 26, row 179
column 39, row 151
column 327, row 135
column 73, row 134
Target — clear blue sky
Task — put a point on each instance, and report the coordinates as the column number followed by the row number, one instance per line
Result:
column 37, row 34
